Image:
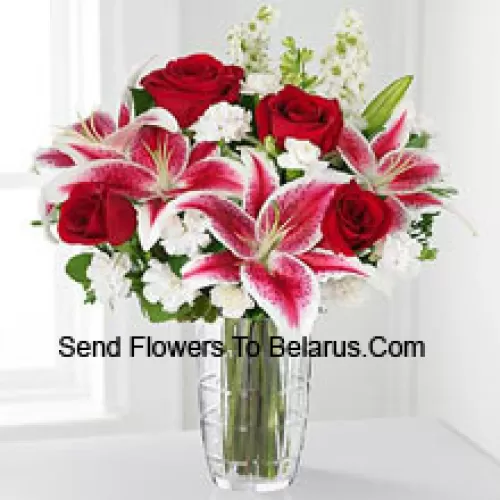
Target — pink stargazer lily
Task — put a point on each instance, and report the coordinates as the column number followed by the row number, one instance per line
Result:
column 159, row 168
column 270, row 244
column 99, row 138
column 388, row 168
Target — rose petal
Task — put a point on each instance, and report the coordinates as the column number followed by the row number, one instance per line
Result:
column 121, row 219
column 286, row 290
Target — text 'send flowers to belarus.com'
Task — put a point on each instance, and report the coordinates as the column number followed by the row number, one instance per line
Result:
column 276, row 346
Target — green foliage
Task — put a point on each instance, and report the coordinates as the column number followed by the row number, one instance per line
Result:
column 143, row 101
column 293, row 65
column 419, row 141
column 421, row 230
column 443, row 192
column 76, row 269
column 380, row 109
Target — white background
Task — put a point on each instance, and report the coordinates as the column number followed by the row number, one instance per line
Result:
column 451, row 47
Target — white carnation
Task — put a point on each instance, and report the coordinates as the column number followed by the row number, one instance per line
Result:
column 107, row 275
column 232, row 299
column 345, row 291
column 400, row 254
column 302, row 155
column 164, row 287
column 261, row 84
column 223, row 121
column 185, row 236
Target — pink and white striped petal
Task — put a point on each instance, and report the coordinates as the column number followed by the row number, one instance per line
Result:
column 97, row 126
column 93, row 152
column 356, row 151
column 233, row 227
column 420, row 200
column 217, row 175
column 394, row 138
column 155, row 148
column 150, row 218
column 286, row 290
column 408, row 171
column 126, row 178
column 54, row 158
column 156, row 117
column 263, row 181
column 206, row 270
column 203, row 150
column 326, row 264
column 297, row 210
column 124, row 115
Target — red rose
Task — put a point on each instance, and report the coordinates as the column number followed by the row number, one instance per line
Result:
column 355, row 220
column 295, row 113
column 93, row 214
column 187, row 87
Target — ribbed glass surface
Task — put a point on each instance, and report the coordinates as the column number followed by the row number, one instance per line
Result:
column 253, row 408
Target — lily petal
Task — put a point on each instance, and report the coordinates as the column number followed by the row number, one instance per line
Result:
column 93, row 152
column 120, row 176
column 233, row 227
column 54, row 158
column 356, row 151
column 206, row 270
column 203, row 150
column 262, row 183
column 420, row 200
column 218, row 175
column 155, row 147
column 97, row 126
column 156, row 117
column 297, row 209
column 407, row 171
column 395, row 137
column 149, row 222
column 326, row 264
column 286, row 289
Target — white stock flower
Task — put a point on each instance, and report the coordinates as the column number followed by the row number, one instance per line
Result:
column 249, row 42
column 223, row 121
column 261, row 84
column 107, row 275
column 346, row 63
column 302, row 155
column 232, row 299
column 164, row 287
column 185, row 236
column 400, row 254
column 345, row 291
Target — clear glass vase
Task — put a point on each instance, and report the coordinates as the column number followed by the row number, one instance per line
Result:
column 253, row 407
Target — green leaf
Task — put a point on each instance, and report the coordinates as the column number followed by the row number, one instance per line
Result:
column 143, row 101
column 176, row 262
column 382, row 106
column 418, row 141
column 154, row 312
column 76, row 269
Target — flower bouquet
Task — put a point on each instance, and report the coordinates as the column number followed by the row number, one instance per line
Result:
column 240, row 194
